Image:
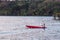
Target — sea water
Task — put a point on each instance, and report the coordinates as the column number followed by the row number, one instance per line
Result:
column 14, row 28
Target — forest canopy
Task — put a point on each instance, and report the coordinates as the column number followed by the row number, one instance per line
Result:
column 29, row 8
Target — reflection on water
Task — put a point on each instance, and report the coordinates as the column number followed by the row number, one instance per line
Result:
column 14, row 28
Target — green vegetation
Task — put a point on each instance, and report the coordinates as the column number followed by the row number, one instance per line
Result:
column 29, row 8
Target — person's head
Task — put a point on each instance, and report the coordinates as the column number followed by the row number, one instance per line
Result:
column 43, row 24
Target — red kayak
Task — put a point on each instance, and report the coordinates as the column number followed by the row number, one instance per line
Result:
column 32, row 27
column 35, row 26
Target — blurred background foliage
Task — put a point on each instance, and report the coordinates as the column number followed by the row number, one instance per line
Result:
column 29, row 8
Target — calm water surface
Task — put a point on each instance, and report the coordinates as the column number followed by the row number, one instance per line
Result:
column 14, row 28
